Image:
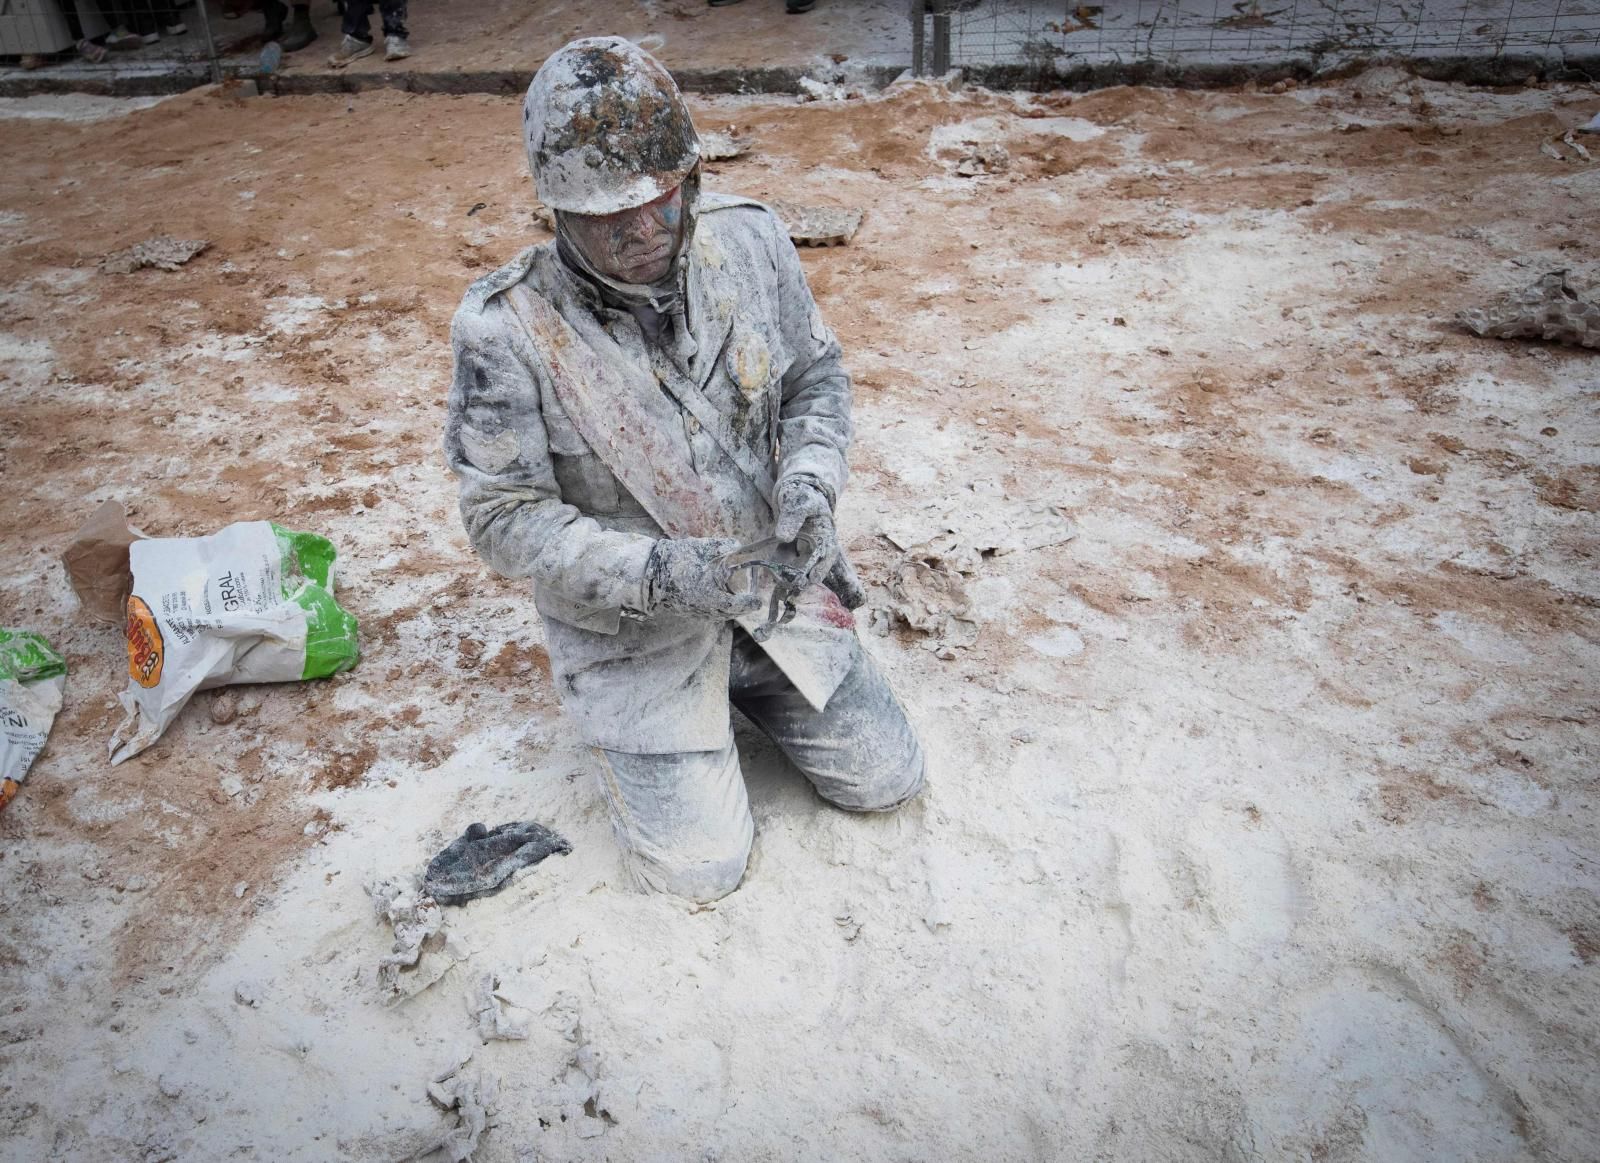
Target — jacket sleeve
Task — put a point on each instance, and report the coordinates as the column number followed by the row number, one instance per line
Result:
column 814, row 426
column 496, row 444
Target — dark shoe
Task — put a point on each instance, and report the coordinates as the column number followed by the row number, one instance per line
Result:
column 795, row 7
column 301, row 32
column 721, row 3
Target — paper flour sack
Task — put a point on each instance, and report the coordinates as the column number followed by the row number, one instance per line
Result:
column 251, row 603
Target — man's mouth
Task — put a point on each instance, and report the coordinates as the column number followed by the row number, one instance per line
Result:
column 644, row 257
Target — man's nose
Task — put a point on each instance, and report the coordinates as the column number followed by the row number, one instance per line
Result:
column 640, row 227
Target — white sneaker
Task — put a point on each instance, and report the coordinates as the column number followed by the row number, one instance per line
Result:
column 177, row 29
column 350, row 49
column 395, row 48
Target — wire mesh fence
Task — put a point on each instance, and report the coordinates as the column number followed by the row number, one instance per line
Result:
column 131, row 46
column 1045, row 38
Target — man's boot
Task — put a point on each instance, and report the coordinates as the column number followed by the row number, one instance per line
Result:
column 795, row 7
column 301, row 31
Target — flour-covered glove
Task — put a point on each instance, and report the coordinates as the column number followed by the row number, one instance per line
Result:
column 687, row 575
column 846, row 586
column 804, row 509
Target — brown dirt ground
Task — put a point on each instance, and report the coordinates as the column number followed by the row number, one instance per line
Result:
column 297, row 370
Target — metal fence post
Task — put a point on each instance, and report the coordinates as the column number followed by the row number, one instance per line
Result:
column 919, row 10
column 211, row 41
column 941, row 38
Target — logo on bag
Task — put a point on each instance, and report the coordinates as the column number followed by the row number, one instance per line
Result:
column 144, row 643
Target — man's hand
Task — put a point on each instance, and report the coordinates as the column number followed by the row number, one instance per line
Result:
column 804, row 508
column 687, row 576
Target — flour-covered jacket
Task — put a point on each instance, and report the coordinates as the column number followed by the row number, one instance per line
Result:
column 539, row 503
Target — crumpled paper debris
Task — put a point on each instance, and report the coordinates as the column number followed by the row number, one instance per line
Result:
column 934, row 601
column 583, row 1106
column 948, row 540
column 960, row 532
column 984, row 158
column 163, row 252
column 1551, row 147
column 494, row 1024
column 474, row 1101
column 1551, row 308
column 424, row 950
column 814, row 89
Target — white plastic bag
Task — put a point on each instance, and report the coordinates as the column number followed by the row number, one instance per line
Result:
column 251, row 603
column 32, row 679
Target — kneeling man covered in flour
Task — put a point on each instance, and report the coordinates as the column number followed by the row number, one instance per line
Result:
column 641, row 408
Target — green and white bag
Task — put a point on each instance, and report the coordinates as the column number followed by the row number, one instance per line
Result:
column 32, row 678
column 251, row 603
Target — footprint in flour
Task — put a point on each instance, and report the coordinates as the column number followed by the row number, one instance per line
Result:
column 1238, row 875
column 1368, row 1069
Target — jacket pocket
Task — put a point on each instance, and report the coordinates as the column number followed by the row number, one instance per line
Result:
column 595, row 619
column 586, row 483
column 562, row 434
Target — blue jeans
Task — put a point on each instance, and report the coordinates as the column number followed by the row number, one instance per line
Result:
column 358, row 18
column 684, row 819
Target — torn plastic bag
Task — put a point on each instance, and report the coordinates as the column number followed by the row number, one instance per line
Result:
column 251, row 603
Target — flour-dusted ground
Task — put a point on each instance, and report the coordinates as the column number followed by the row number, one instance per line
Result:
column 1261, row 821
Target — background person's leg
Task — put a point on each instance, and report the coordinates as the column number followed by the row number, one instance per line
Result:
column 357, row 20
column 395, row 45
column 144, row 18
column 393, row 13
column 859, row 753
column 357, row 39
column 682, row 818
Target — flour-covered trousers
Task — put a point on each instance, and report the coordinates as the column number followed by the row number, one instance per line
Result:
column 683, row 818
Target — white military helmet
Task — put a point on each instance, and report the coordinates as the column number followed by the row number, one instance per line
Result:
column 606, row 128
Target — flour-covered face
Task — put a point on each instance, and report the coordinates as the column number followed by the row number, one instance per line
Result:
column 632, row 246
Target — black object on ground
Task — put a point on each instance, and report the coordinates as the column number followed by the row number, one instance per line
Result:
column 481, row 860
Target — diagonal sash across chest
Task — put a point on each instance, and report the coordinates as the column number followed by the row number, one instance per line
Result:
column 623, row 415
column 634, row 427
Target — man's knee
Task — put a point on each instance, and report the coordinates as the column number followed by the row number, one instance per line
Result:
column 870, row 760
column 696, row 878
column 881, row 788
column 681, row 818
